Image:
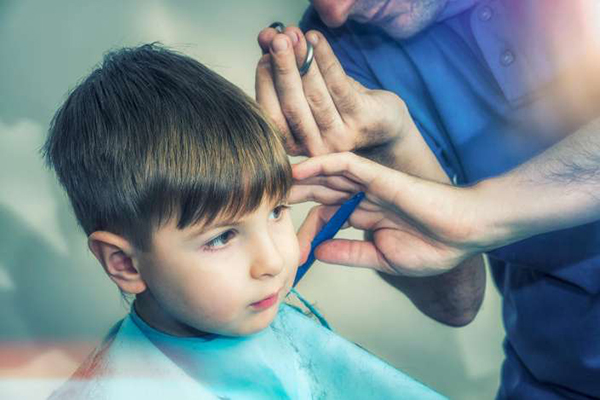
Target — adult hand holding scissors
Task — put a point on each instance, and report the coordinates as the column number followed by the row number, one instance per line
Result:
column 324, row 111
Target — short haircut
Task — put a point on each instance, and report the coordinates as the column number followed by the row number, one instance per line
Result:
column 152, row 135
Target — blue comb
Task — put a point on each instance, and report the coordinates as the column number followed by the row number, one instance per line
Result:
column 329, row 231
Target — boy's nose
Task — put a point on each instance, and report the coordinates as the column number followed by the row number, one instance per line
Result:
column 268, row 259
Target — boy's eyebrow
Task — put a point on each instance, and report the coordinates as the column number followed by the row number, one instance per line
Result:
column 202, row 228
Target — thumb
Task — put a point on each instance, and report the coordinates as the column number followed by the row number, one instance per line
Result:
column 316, row 218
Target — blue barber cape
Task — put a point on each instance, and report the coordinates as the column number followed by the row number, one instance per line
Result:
column 294, row 358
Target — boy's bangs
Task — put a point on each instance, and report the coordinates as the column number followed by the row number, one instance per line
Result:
column 247, row 175
column 221, row 176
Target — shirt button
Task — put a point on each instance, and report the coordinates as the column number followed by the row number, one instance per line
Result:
column 507, row 58
column 485, row 14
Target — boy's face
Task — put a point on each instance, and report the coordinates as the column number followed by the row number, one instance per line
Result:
column 227, row 278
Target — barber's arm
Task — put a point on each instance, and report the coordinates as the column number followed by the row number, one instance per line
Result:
column 328, row 112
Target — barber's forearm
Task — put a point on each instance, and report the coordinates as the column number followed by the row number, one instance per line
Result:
column 558, row 189
column 452, row 298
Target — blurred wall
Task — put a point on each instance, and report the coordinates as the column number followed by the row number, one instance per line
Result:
column 55, row 302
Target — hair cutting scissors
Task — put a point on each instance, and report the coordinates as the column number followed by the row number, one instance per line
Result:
column 329, row 230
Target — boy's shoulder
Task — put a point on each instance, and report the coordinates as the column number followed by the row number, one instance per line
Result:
column 81, row 384
column 127, row 365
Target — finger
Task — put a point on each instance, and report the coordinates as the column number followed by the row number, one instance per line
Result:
column 266, row 97
column 326, row 196
column 378, row 181
column 288, row 85
column 316, row 218
column 342, row 91
column 322, row 106
column 335, row 182
column 349, row 165
column 317, row 95
column 298, row 42
column 265, row 37
column 365, row 217
column 319, row 194
column 353, row 253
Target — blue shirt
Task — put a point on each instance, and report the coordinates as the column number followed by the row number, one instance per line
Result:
column 474, row 83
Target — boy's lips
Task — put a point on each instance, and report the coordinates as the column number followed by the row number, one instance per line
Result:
column 267, row 301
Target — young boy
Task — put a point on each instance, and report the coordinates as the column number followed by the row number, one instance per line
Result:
column 180, row 184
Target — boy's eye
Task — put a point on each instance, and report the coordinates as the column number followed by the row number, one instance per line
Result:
column 220, row 240
column 278, row 211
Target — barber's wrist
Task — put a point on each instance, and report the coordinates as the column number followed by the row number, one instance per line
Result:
column 386, row 125
column 501, row 211
column 382, row 153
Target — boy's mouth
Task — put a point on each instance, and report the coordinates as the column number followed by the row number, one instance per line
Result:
column 266, row 302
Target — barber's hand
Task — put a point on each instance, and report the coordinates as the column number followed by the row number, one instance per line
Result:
column 325, row 111
column 419, row 227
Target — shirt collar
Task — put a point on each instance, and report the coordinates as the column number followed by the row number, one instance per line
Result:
column 455, row 7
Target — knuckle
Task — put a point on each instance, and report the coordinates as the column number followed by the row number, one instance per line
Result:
column 328, row 68
column 315, row 151
column 344, row 100
column 292, row 149
column 325, row 116
column 348, row 158
column 280, row 67
column 293, row 119
column 265, row 61
column 346, row 155
column 346, row 103
column 283, row 132
column 279, row 124
column 327, row 122
column 401, row 104
column 316, row 99
column 264, row 65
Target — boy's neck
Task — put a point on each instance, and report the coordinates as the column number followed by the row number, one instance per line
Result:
column 153, row 315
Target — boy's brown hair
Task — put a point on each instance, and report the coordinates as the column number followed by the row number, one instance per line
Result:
column 151, row 136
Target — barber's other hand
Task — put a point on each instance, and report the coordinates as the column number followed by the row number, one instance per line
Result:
column 419, row 227
column 325, row 111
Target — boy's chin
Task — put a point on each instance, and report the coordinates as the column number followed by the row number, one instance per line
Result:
column 263, row 320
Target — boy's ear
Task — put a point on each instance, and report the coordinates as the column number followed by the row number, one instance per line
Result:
column 117, row 256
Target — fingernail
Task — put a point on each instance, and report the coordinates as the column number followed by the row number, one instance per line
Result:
column 313, row 38
column 280, row 44
column 294, row 36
